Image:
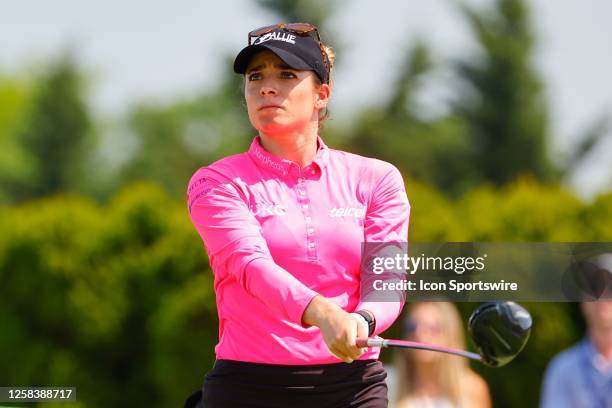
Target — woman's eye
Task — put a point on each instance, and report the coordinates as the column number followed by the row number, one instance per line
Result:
column 288, row 74
column 254, row 76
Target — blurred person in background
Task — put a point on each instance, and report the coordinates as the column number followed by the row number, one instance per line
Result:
column 283, row 225
column 427, row 379
column 581, row 377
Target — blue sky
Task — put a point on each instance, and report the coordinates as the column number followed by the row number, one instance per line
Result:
column 148, row 50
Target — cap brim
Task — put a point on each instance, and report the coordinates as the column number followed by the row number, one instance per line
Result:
column 244, row 57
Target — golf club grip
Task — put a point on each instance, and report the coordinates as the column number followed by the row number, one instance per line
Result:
column 370, row 343
column 362, row 343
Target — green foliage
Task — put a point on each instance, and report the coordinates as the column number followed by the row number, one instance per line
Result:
column 521, row 211
column 598, row 216
column 590, row 139
column 504, row 106
column 16, row 166
column 175, row 139
column 104, row 298
column 56, row 131
column 497, row 128
column 118, row 299
column 435, row 151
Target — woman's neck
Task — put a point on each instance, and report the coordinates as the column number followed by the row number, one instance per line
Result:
column 299, row 147
column 427, row 381
column 602, row 340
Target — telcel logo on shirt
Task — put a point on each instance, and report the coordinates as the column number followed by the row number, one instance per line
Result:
column 265, row 209
column 347, row 212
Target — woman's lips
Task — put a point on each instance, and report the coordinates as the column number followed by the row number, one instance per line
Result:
column 270, row 107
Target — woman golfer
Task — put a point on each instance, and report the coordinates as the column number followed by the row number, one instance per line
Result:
column 283, row 225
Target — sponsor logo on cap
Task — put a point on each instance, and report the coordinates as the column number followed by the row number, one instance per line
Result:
column 278, row 36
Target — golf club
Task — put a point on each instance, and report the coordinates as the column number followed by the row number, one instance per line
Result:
column 499, row 331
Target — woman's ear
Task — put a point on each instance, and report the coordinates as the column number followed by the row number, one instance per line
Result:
column 322, row 96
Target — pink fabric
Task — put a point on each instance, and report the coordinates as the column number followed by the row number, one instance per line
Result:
column 278, row 235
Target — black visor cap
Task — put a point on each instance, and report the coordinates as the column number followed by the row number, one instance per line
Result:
column 297, row 51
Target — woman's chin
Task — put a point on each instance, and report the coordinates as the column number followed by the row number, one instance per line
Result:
column 425, row 356
column 275, row 127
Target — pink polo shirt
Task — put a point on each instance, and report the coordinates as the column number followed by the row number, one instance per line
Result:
column 277, row 235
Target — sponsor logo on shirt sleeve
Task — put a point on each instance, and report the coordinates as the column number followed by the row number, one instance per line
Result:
column 197, row 189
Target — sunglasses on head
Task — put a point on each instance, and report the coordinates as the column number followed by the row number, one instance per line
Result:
column 295, row 28
column 301, row 29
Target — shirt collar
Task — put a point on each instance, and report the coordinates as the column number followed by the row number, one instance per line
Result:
column 282, row 166
column 595, row 359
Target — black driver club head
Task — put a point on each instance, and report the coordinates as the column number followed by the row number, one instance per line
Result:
column 499, row 331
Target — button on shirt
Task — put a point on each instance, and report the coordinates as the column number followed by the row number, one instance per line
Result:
column 277, row 235
column 578, row 378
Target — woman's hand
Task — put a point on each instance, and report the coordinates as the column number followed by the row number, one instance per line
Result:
column 339, row 328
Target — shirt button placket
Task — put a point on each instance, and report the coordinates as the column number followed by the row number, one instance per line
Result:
column 306, row 211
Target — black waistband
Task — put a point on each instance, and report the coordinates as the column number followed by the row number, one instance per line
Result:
column 253, row 385
column 293, row 368
column 359, row 371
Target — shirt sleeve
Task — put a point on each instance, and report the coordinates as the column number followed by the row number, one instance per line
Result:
column 236, row 248
column 386, row 221
column 559, row 381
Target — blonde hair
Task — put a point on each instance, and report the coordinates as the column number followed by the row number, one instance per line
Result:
column 450, row 370
column 331, row 58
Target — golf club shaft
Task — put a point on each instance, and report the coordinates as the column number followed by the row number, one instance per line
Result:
column 416, row 345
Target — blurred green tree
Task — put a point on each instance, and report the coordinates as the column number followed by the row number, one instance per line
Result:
column 495, row 130
column 16, row 166
column 503, row 104
column 588, row 141
column 177, row 138
column 57, row 132
column 105, row 299
column 429, row 149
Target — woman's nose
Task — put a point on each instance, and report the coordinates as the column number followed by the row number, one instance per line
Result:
column 267, row 89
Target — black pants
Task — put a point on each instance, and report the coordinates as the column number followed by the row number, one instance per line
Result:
column 250, row 385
